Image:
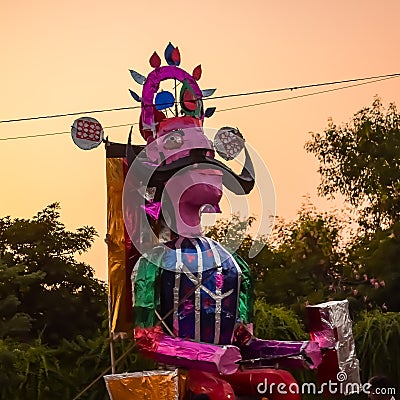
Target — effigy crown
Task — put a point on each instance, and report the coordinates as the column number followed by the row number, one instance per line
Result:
column 154, row 102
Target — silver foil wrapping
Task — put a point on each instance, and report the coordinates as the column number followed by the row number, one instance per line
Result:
column 331, row 326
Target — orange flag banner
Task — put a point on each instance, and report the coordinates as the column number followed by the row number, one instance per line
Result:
column 122, row 255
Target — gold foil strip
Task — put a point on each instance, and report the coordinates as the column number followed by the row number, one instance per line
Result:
column 149, row 385
column 116, row 247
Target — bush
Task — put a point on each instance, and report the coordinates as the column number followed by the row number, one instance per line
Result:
column 277, row 323
column 377, row 338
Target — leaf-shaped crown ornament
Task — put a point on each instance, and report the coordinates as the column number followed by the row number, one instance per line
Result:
column 189, row 98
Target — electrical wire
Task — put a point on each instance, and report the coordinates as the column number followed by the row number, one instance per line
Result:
column 291, row 88
column 67, row 114
column 306, row 86
column 61, row 133
column 383, row 78
column 301, row 95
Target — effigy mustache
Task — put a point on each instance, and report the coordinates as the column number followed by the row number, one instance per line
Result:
column 241, row 183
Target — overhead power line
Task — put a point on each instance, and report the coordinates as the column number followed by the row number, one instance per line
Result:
column 385, row 77
column 313, row 85
column 302, row 95
column 290, row 88
column 60, row 133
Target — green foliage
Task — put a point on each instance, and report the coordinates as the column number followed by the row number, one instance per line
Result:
column 13, row 322
column 9, row 374
column 45, row 373
column 53, row 330
column 233, row 234
column 373, row 270
column 277, row 323
column 53, row 323
column 361, row 161
column 41, row 282
column 304, row 262
column 377, row 338
column 85, row 359
column 41, row 375
column 301, row 263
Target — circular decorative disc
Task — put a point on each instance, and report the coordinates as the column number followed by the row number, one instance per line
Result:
column 228, row 143
column 164, row 100
column 87, row 133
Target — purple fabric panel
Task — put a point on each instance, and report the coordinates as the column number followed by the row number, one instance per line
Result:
column 291, row 354
column 152, row 85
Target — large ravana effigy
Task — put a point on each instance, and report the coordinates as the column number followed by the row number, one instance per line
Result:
column 186, row 299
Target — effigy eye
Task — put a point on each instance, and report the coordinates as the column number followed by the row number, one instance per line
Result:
column 173, row 141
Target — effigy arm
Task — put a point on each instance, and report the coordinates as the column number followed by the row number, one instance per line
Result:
column 184, row 353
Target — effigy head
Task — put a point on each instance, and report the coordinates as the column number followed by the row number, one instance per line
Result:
column 179, row 157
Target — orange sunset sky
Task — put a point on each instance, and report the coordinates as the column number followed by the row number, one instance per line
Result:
column 68, row 56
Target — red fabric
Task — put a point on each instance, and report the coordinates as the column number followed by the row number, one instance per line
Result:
column 247, row 383
column 242, row 383
column 88, row 130
column 169, row 124
column 241, row 336
column 328, row 369
column 148, row 338
column 146, row 133
column 199, row 382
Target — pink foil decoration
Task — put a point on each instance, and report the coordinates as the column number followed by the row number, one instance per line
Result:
column 188, row 307
column 187, row 354
column 219, row 281
column 152, row 209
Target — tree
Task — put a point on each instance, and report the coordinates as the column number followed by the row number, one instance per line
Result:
column 301, row 263
column 43, row 285
column 54, row 338
column 361, row 160
column 373, row 271
column 304, row 261
column 12, row 322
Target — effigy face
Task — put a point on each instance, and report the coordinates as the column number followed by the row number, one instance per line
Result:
column 195, row 185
